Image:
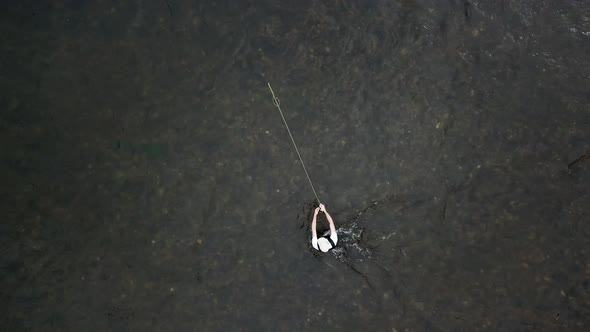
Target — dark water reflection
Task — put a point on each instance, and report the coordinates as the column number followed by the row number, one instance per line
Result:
column 149, row 183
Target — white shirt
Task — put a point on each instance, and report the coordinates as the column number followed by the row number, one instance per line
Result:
column 322, row 244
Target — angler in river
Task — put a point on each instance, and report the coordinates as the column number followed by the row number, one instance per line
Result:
column 344, row 242
column 351, row 231
column 330, row 238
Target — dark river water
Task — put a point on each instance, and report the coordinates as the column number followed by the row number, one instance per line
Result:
column 149, row 183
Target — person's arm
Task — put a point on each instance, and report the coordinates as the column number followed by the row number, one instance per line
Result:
column 314, row 234
column 333, row 234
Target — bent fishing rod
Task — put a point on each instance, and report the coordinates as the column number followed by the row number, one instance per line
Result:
column 277, row 103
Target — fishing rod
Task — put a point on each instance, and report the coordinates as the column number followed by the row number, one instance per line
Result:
column 277, row 103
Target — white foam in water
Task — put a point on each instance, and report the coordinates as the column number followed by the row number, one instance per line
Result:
column 349, row 243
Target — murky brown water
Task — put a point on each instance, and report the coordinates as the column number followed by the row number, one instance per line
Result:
column 149, row 183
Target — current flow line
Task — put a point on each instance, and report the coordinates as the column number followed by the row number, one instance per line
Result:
column 277, row 103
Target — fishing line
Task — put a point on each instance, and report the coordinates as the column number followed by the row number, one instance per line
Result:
column 277, row 103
